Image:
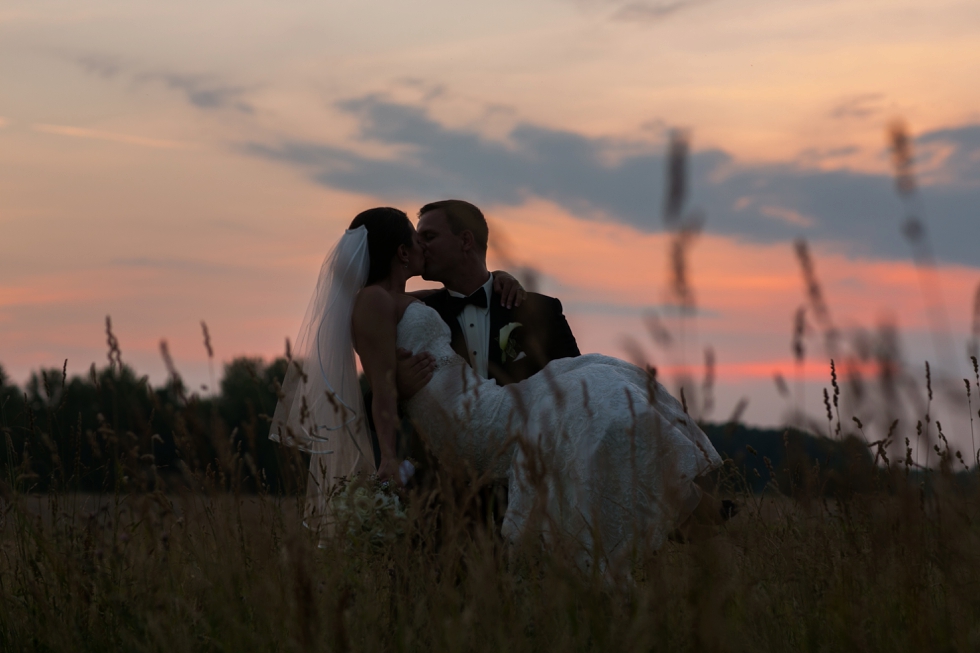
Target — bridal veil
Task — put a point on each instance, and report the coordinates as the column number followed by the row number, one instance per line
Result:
column 321, row 409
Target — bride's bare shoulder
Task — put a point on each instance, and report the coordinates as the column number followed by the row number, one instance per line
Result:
column 376, row 303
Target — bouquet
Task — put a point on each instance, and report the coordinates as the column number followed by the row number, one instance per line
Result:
column 368, row 512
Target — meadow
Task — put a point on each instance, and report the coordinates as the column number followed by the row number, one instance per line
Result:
column 141, row 519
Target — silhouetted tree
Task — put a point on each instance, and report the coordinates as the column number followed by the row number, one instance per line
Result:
column 112, row 431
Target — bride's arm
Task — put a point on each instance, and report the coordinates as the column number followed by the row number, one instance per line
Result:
column 422, row 294
column 374, row 322
column 511, row 291
column 505, row 284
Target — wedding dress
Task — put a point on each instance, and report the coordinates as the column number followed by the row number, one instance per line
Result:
column 583, row 446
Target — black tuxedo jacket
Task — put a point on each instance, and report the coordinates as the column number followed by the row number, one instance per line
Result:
column 543, row 336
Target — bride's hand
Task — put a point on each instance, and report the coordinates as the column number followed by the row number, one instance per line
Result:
column 511, row 291
column 412, row 373
column 388, row 470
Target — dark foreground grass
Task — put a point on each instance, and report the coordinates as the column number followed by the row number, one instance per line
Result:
column 896, row 569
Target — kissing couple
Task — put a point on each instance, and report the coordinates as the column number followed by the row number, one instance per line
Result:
column 593, row 444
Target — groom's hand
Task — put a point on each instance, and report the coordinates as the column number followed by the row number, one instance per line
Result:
column 511, row 291
column 413, row 372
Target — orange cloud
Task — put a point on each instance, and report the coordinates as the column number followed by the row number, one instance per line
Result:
column 142, row 141
column 789, row 216
column 49, row 290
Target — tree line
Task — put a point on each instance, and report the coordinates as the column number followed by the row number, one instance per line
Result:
column 111, row 430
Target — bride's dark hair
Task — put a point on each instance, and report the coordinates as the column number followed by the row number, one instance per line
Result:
column 387, row 229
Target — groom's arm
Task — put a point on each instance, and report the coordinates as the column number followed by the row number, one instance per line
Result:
column 547, row 334
column 561, row 341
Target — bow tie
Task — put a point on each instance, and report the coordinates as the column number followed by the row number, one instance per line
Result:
column 479, row 298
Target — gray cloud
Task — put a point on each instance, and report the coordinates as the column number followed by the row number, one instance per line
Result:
column 205, row 92
column 99, row 64
column 768, row 203
column 863, row 105
column 813, row 156
column 429, row 90
column 202, row 91
column 640, row 11
column 646, row 12
column 962, row 166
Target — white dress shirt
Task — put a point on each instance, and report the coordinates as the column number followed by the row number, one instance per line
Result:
column 475, row 322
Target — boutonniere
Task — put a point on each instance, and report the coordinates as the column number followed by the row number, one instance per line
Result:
column 508, row 345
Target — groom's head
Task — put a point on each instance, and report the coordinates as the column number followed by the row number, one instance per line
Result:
column 454, row 237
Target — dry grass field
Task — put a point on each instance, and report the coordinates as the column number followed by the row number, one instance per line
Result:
column 894, row 569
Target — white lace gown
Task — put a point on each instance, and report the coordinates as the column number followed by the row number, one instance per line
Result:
column 581, row 446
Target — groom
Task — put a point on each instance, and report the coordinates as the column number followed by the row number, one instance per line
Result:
column 504, row 343
column 501, row 339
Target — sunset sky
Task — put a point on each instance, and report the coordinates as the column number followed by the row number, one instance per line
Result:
column 167, row 163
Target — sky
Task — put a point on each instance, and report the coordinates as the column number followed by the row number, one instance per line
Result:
column 172, row 163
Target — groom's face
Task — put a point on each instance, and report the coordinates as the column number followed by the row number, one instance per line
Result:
column 444, row 250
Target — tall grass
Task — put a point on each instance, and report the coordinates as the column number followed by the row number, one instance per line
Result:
column 194, row 561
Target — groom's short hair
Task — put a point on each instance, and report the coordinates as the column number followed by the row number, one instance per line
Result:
column 462, row 216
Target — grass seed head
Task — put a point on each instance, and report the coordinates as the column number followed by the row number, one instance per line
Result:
column 929, row 380
column 207, row 339
column 902, row 160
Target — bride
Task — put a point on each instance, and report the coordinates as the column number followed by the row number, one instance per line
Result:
column 591, row 447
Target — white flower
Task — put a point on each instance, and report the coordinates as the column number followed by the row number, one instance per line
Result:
column 504, row 340
column 363, row 504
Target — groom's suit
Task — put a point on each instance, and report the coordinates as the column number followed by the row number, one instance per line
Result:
column 543, row 334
